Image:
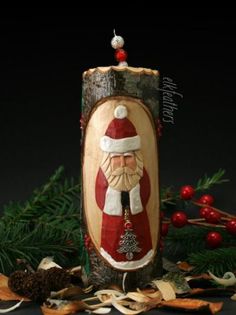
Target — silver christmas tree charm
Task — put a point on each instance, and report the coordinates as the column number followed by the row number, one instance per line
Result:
column 128, row 244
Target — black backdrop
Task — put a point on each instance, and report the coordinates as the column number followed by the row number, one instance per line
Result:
column 42, row 58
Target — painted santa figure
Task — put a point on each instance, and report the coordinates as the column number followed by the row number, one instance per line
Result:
column 122, row 191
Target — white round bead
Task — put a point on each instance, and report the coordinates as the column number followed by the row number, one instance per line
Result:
column 117, row 42
column 120, row 112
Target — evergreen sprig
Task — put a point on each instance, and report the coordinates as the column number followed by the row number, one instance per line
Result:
column 32, row 245
column 56, row 194
column 218, row 261
column 207, row 182
column 48, row 224
column 171, row 197
column 188, row 243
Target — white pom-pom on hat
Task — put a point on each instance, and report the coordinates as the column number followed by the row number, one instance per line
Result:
column 120, row 112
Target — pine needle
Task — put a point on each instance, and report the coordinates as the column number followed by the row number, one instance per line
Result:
column 207, row 182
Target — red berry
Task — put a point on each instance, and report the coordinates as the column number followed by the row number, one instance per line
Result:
column 179, row 219
column 187, row 192
column 164, row 229
column 214, row 239
column 213, row 217
column 120, row 55
column 231, row 226
column 204, row 212
column 206, row 199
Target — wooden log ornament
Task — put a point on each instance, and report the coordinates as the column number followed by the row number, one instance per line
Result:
column 120, row 175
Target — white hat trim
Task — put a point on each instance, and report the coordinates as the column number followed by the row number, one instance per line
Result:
column 108, row 144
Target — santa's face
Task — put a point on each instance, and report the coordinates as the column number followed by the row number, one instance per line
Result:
column 120, row 162
column 123, row 171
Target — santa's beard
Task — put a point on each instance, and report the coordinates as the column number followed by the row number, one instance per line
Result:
column 122, row 178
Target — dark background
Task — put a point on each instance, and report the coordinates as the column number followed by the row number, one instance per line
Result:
column 42, row 58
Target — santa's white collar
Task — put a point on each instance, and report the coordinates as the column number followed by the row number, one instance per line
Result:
column 113, row 204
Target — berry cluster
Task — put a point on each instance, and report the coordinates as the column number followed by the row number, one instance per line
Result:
column 209, row 216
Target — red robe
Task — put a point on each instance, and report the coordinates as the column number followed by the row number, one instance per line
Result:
column 113, row 228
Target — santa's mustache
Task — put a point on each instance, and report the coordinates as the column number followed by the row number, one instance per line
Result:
column 123, row 170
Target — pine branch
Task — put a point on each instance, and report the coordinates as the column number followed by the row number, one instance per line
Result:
column 53, row 196
column 33, row 245
column 15, row 212
column 48, row 224
column 207, row 182
column 218, row 261
column 191, row 239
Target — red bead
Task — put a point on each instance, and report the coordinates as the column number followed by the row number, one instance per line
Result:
column 206, row 199
column 164, row 229
column 204, row 212
column 214, row 239
column 231, row 226
column 213, row 217
column 162, row 215
column 82, row 122
column 159, row 132
column 87, row 242
column 128, row 225
column 120, row 55
column 179, row 219
column 159, row 127
column 161, row 244
column 187, row 192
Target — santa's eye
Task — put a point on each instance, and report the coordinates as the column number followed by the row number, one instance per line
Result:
column 115, row 155
column 128, row 154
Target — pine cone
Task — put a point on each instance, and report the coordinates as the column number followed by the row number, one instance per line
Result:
column 35, row 287
column 16, row 281
column 57, row 279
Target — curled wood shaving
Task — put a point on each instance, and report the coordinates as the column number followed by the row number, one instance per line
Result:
column 109, row 292
column 228, row 279
column 67, row 293
column 167, row 291
column 101, row 310
column 193, row 305
column 138, row 297
column 233, row 297
column 47, row 263
column 125, row 310
column 88, row 289
column 9, row 309
column 184, row 266
column 123, row 281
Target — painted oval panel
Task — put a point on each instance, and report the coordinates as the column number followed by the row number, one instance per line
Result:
column 120, row 183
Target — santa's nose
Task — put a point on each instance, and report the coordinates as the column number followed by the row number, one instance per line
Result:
column 122, row 161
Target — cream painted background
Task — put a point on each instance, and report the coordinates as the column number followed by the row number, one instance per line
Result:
column 102, row 115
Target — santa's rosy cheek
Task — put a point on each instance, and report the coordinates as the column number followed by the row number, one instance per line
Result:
column 130, row 162
column 115, row 162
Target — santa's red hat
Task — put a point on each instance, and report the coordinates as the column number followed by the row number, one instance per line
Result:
column 121, row 135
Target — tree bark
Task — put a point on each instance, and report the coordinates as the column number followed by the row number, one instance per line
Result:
column 98, row 85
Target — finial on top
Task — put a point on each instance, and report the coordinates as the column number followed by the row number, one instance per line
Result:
column 117, row 43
